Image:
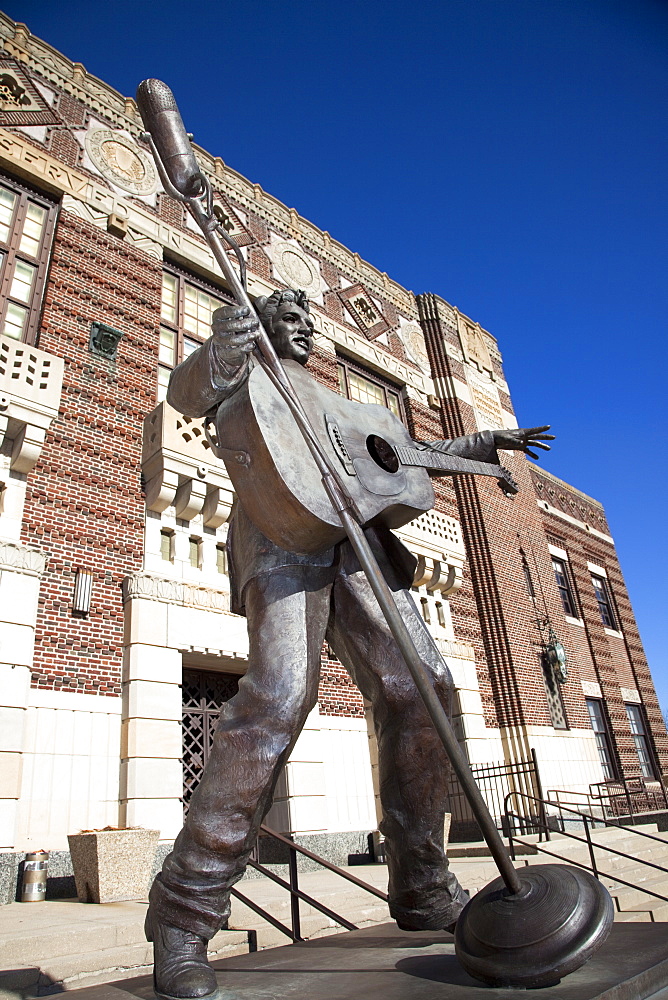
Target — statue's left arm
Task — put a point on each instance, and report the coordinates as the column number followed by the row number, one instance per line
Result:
column 484, row 445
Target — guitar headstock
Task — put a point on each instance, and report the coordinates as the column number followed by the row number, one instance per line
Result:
column 506, row 483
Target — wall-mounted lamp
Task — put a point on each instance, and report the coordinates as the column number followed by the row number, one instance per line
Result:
column 83, row 586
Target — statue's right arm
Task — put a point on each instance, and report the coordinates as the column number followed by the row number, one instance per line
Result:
column 204, row 380
column 216, row 369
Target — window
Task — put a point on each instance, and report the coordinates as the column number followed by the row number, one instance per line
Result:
column 221, row 558
column 599, row 724
column 185, row 320
column 195, row 552
column 424, row 604
column 564, row 587
column 637, row 722
column 167, row 545
column 600, row 585
column 26, row 229
column 366, row 388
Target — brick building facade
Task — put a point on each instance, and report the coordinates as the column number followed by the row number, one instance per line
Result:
column 113, row 511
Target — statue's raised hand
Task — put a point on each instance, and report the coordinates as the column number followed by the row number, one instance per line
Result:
column 234, row 334
column 523, row 439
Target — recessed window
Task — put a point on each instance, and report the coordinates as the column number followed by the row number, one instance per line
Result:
column 195, row 552
column 563, row 582
column 440, row 614
column 167, row 545
column 185, row 320
column 221, row 558
column 364, row 387
column 599, row 724
column 636, row 719
column 604, row 601
column 424, row 603
column 26, row 230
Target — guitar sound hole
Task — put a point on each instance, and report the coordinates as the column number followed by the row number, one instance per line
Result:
column 382, row 453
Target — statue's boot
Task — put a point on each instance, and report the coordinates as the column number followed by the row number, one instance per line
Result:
column 181, row 970
column 428, row 923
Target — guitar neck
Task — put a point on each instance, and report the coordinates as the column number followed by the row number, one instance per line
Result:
column 452, row 465
column 438, row 461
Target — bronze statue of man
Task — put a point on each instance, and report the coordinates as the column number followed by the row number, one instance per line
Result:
column 293, row 603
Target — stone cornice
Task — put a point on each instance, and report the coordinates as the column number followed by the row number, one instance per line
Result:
column 24, row 559
column 159, row 588
column 122, row 111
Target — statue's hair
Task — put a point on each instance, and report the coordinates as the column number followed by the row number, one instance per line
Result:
column 266, row 306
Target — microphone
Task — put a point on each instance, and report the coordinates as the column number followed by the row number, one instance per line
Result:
column 163, row 121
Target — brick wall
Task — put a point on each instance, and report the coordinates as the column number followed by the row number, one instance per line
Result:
column 84, row 504
column 613, row 662
column 499, row 533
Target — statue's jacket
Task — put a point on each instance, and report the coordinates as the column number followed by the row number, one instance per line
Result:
column 196, row 389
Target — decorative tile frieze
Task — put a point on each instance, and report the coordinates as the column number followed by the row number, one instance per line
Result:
column 364, row 311
column 294, row 267
column 20, row 101
column 412, row 337
column 475, row 344
column 591, row 689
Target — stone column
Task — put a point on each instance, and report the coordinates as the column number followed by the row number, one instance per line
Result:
column 21, row 568
column 151, row 769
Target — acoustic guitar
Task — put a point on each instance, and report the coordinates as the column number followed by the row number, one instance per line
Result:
column 386, row 473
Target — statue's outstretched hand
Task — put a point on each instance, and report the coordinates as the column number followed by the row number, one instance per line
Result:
column 234, row 334
column 523, row 439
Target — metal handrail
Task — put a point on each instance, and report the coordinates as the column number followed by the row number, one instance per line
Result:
column 588, row 823
column 296, row 894
column 626, row 789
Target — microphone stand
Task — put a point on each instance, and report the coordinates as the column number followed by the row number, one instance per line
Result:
column 201, row 209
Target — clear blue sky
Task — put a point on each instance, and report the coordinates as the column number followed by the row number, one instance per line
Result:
column 509, row 155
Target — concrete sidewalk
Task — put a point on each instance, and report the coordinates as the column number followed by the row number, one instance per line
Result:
column 63, row 944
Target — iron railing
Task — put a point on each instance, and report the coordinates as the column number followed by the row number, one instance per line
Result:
column 629, row 796
column 622, row 798
column 588, row 824
column 296, row 894
column 495, row 782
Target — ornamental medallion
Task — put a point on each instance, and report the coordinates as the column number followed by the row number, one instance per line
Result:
column 121, row 161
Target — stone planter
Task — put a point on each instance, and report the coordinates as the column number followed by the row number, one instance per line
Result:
column 112, row 865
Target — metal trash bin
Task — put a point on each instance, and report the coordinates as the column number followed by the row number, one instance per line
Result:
column 35, row 867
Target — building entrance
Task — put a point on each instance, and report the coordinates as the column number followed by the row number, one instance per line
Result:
column 204, row 694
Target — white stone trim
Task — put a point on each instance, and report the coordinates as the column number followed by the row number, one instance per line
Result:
column 25, row 559
column 591, row 689
column 632, row 695
column 558, row 553
column 597, row 570
column 574, row 621
column 72, row 702
column 544, row 505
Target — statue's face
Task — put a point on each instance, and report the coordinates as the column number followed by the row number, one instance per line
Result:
column 292, row 332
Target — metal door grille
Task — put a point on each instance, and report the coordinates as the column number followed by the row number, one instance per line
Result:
column 204, row 694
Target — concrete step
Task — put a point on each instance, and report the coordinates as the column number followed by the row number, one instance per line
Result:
column 658, row 910
column 626, row 897
column 48, row 947
column 87, row 951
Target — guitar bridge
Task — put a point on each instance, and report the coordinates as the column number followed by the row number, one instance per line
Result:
column 339, row 445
